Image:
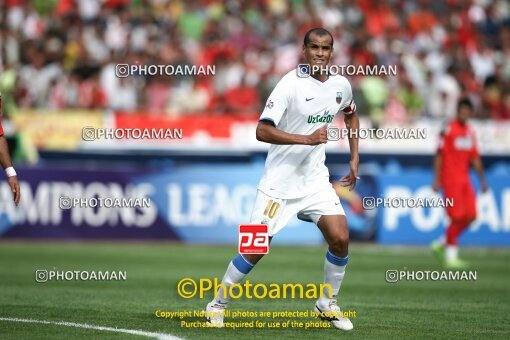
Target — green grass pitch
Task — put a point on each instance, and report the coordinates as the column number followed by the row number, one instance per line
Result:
column 417, row 309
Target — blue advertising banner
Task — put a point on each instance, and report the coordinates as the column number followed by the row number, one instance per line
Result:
column 422, row 225
column 44, row 212
column 196, row 203
column 206, row 204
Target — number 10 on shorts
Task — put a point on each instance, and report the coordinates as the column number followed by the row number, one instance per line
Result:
column 253, row 239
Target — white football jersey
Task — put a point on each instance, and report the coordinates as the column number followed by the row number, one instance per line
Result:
column 301, row 106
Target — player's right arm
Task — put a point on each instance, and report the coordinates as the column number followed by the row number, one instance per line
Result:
column 267, row 132
column 276, row 106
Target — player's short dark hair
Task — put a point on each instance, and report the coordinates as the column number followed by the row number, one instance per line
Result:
column 320, row 32
column 464, row 102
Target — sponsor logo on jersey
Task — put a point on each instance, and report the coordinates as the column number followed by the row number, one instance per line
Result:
column 463, row 143
column 325, row 118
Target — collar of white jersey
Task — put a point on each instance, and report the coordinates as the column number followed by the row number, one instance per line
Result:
column 321, row 82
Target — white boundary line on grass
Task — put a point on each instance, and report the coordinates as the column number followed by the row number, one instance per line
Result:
column 160, row 336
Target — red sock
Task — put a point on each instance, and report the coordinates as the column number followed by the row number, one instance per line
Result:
column 454, row 231
column 464, row 226
column 452, row 234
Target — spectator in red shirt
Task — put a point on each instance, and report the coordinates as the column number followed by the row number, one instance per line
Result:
column 243, row 98
column 421, row 19
column 503, row 111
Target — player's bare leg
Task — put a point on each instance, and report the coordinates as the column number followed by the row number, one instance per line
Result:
column 335, row 232
column 253, row 258
column 237, row 270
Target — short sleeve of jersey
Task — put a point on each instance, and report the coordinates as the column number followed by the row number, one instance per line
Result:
column 443, row 137
column 349, row 106
column 277, row 102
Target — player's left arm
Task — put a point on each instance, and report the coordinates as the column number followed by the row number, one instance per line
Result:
column 478, row 166
column 5, row 162
column 352, row 124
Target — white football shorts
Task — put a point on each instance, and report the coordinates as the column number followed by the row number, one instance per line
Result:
column 276, row 212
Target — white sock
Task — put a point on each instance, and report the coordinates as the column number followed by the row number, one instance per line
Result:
column 334, row 271
column 451, row 253
column 238, row 268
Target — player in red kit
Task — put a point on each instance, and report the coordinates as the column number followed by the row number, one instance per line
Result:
column 456, row 152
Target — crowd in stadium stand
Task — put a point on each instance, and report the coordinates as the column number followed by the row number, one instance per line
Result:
column 62, row 53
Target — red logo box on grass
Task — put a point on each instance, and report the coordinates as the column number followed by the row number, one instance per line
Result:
column 253, row 239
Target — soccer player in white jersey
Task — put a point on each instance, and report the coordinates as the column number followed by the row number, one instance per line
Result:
column 295, row 122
